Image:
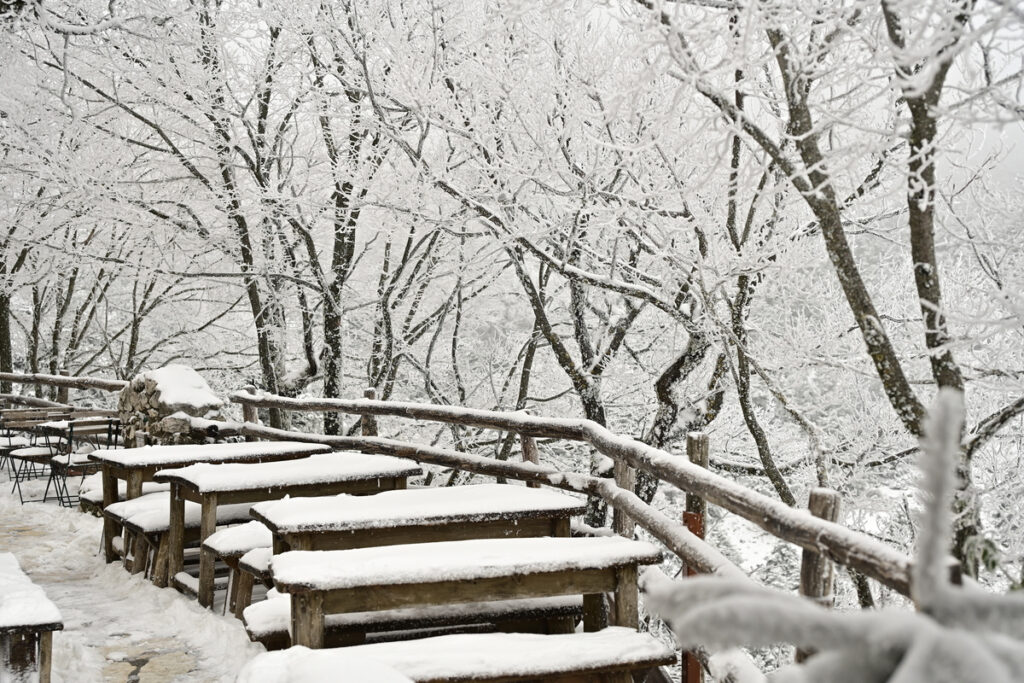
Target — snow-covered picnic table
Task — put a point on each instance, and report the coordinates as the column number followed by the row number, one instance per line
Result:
column 409, row 575
column 211, row 485
column 612, row 654
column 138, row 465
column 27, row 622
column 418, row 516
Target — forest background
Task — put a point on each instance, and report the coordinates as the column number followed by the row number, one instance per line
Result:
column 784, row 223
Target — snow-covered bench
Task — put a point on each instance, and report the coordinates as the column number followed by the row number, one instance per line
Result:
column 146, row 521
column 138, row 465
column 230, row 545
column 612, row 655
column 417, row 575
column 213, row 485
column 27, row 622
column 267, row 622
column 90, row 492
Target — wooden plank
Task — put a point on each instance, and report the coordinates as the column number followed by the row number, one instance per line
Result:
column 458, row 531
column 110, row 527
column 540, row 584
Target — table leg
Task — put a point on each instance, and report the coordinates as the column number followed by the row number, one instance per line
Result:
column 308, row 619
column 109, row 525
column 207, row 559
column 175, row 535
column 626, row 610
column 45, row 656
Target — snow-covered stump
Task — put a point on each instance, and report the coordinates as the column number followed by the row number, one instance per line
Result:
column 154, row 395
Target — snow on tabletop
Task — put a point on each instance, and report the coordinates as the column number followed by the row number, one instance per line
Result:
column 273, row 615
column 192, row 453
column 152, row 512
column 239, row 539
column 180, row 385
column 316, row 469
column 465, row 656
column 409, row 507
column 22, row 603
column 13, row 442
column 454, row 561
column 33, row 451
column 91, row 488
column 299, row 664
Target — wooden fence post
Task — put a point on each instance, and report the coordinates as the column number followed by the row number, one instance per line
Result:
column 625, row 478
column 368, row 423
column 62, row 391
column 530, row 454
column 816, row 570
column 249, row 412
column 698, row 451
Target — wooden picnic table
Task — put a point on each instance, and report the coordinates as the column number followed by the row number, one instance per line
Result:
column 27, row 622
column 138, row 465
column 417, row 516
column 224, row 484
column 399, row 576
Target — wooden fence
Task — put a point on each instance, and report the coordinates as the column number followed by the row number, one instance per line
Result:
column 815, row 531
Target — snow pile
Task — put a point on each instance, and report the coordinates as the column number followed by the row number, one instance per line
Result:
column 960, row 634
column 22, row 603
column 156, row 394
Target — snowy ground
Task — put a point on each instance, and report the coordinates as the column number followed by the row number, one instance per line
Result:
column 116, row 627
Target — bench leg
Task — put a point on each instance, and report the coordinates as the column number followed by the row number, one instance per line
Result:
column 243, row 597
column 140, row 554
column 20, row 652
column 595, row 612
column 176, row 534
column 207, row 559
column 109, row 525
column 207, row 564
column 159, row 573
column 308, row 619
column 626, row 609
column 45, row 656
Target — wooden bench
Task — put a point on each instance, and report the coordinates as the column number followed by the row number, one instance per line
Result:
column 267, row 621
column 146, row 520
column 27, row 622
column 410, row 516
column 612, row 655
column 138, row 465
column 230, row 545
column 318, row 475
column 398, row 576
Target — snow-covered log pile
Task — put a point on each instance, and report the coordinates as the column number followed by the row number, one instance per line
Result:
column 151, row 396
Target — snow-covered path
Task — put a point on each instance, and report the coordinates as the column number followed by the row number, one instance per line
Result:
column 116, row 627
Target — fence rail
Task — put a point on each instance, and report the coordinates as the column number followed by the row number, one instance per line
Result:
column 834, row 541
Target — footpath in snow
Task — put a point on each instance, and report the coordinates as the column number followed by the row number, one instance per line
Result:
column 117, row 627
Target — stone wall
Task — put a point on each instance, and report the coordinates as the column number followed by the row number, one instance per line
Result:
column 153, row 395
